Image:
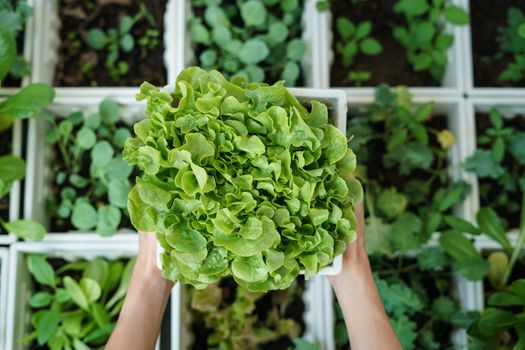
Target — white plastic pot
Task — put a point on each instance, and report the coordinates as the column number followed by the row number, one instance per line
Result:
column 468, row 68
column 509, row 107
column 20, row 280
column 40, row 154
column 310, row 63
column 47, row 42
column 318, row 327
column 15, row 193
column 4, row 268
column 453, row 79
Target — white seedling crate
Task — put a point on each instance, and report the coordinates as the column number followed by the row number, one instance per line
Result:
column 40, row 154
column 451, row 84
column 4, row 268
column 47, row 42
column 318, row 325
column 310, row 64
column 20, row 280
column 468, row 68
column 509, row 108
column 15, row 193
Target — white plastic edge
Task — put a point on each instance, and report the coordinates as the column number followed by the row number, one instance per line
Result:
column 314, row 317
column 18, row 310
column 4, row 286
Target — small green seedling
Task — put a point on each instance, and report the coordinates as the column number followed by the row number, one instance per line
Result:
column 424, row 37
column 511, row 40
column 119, row 41
column 355, row 39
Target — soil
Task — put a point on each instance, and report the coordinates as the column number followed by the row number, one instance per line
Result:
column 272, row 66
column 294, row 311
column 6, row 138
column 485, row 20
column 489, row 188
column 77, row 17
column 58, row 224
column 391, row 65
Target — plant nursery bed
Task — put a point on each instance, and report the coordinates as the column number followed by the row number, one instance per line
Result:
column 421, row 303
column 253, row 320
column 381, row 14
column 111, row 43
column 489, row 60
column 500, row 189
column 262, row 43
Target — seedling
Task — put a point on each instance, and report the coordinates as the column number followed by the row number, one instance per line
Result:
column 258, row 41
column 76, row 305
column 424, row 36
column 13, row 16
column 356, row 39
column 119, row 41
column 511, row 40
column 90, row 177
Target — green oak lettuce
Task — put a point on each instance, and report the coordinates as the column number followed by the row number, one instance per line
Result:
column 240, row 179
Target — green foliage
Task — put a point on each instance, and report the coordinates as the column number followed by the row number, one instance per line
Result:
column 243, row 323
column 240, row 180
column 77, row 305
column 117, row 42
column 511, row 41
column 355, row 39
column 257, row 40
column 91, row 178
column 499, row 164
column 424, row 36
column 13, row 16
column 393, row 136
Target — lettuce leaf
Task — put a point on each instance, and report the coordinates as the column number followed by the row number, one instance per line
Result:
column 240, row 179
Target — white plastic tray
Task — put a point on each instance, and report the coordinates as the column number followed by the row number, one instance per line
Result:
column 19, row 293
column 47, row 41
column 318, row 327
column 311, row 68
column 4, row 286
column 40, row 154
column 453, row 79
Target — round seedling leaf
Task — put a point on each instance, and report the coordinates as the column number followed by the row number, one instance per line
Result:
column 108, row 219
column 208, row 58
column 199, row 33
column 253, row 13
column 456, row 15
column 290, row 73
column 86, row 138
column 371, row 47
column 125, row 24
column 253, row 51
column 118, row 191
column 84, row 216
column 215, row 16
column 97, row 39
column 221, row 35
column 120, row 137
column 295, row 49
column 277, row 33
column 521, row 30
column 109, row 111
column 127, row 43
column 255, row 73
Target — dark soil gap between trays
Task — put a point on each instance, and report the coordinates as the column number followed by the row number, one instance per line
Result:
column 486, row 17
column 489, row 189
column 77, row 17
column 391, row 65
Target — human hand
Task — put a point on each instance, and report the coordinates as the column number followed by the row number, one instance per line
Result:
column 355, row 257
column 146, row 265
